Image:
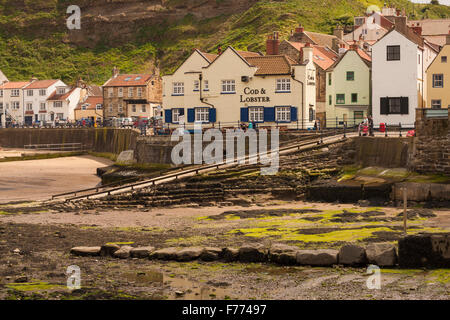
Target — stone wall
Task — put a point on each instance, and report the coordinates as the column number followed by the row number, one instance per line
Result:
column 431, row 153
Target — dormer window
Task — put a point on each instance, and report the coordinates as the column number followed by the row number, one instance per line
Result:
column 61, row 90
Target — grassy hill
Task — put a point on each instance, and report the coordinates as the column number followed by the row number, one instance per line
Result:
column 35, row 42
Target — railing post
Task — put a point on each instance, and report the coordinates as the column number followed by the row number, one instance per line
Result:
column 345, row 127
column 400, row 128
column 385, row 130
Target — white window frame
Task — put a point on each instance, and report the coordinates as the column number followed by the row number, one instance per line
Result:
column 139, row 92
column 29, row 106
column 133, row 108
column 283, row 114
column 15, row 92
column 283, row 85
column 178, row 88
column 130, row 92
column 120, row 108
column 42, row 106
column 120, row 92
column 202, row 115
column 42, row 117
column 143, row 108
column 110, row 92
column 29, row 93
column 436, row 104
column 176, row 115
column 98, row 107
column 60, row 116
column 15, row 105
column 196, row 85
column 206, row 84
column 61, row 91
column 42, row 92
column 57, row 104
column 438, row 83
column 256, row 114
column 228, row 86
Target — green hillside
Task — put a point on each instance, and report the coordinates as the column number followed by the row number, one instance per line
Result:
column 34, row 40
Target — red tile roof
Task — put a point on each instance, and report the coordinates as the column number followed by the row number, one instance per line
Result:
column 248, row 54
column 323, row 56
column 209, row 56
column 271, row 65
column 60, row 97
column 41, row 84
column 91, row 102
column 14, row 85
column 128, row 80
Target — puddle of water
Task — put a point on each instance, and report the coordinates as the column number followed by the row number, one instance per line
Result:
column 181, row 288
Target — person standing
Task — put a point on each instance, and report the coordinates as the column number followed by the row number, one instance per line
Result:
column 370, row 122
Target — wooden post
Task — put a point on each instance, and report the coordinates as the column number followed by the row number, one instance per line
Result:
column 405, row 209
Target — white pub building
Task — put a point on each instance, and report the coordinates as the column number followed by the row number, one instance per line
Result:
column 236, row 87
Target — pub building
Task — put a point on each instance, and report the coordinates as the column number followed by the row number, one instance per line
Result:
column 233, row 87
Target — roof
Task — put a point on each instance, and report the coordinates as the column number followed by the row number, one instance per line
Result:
column 128, row 80
column 271, row 65
column 209, row 56
column 408, row 33
column 324, row 57
column 14, row 85
column 322, row 39
column 431, row 27
column 60, row 97
column 94, row 90
column 248, row 54
column 41, row 84
column 360, row 53
column 91, row 102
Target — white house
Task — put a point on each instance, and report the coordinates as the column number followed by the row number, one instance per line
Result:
column 61, row 104
column 399, row 62
column 35, row 97
column 11, row 102
column 235, row 86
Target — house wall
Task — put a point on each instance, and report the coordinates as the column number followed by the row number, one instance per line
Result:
column 339, row 85
column 395, row 78
column 437, row 67
column 7, row 100
column 36, row 99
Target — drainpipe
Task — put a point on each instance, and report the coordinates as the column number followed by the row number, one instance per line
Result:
column 202, row 99
column 303, row 95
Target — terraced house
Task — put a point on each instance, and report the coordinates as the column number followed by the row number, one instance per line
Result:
column 11, row 102
column 234, row 86
column 131, row 95
column 438, row 79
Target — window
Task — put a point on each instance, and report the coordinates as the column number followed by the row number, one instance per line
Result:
column 139, row 92
column 282, row 114
column 29, row 107
column 228, row 86
column 120, row 108
column 84, row 107
column 312, row 114
column 110, row 109
column 42, row 117
column 256, row 114
column 57, row 104
column 15, row 92
column 42, row 106
column 130, row 92
column 29, row 93
column 201, row 114
column 340, row 98
column 144, row 108
column 438, row 80
column 120, row 92
column 393, row 53
column 206, row 83
column 176, row 114
column 110, row 92
column 98, row 106
column 354, row 97
column 196, row 85
column 1, row 106
column 133, row 108
column 329, row 79
column 330, row 99
column 42, row 92
column 283, row 85
column 358, row 115
column 350, row 75
column 15, row 105
column 436, row 104
column 395, row 105
column 444, row 59
column 178, row 88
column 60, row 116
column 61, row 90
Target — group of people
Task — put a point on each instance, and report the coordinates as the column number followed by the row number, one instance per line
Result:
column 366, row 127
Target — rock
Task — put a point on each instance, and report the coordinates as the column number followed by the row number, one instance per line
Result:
column 283, row 254
column 322, row 257
column 86, row 251
column 123, row 252
column 109, row 249
column 17, row 251
column 230, row 254
column 141, row 252
column 425, row 250
column 352, row 255
column 126, row 157
column 189, row 254
column 381, row 254
column 165, row 254
column 179, row 293
column 21, row 279
column 211, row 254
column 252, row 253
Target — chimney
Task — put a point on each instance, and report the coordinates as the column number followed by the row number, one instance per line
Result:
column 273, row 44
column 338, row 32
column 299, row 29
column 307, row 53
column 400, row 23
column 417, row 30
column 354, row 47
column 342, row 49
column 115, row 72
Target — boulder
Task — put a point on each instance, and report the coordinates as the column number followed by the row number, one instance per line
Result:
column 126, row 157
column 85, row 251
column 123, row 252
column 141, row 252
column 252, row 253
column 424, row 250
column 283, row 254
column 189, row 254
column 322, row 257
column 352, row 255
column 230, row 254
column 381, row 254
column 109, row 249
column 165, row 254
column 211, row 254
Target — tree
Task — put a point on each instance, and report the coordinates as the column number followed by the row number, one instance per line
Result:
column 435, row 2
